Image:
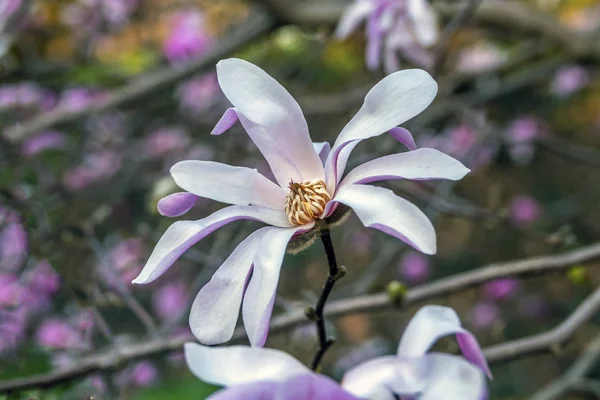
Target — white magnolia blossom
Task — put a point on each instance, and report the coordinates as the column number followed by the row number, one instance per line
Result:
column 308, row 188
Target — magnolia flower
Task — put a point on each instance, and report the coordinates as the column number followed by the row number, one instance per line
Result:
column 262, row 374
column 309, row 188
column 406, row 26
column 412, row 370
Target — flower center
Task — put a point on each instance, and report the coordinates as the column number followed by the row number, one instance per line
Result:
column 306, row 201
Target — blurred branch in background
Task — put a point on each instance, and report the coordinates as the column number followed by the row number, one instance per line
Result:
column 119, row 357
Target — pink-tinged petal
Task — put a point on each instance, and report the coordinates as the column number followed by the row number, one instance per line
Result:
column 353, row 16
column 262, row 390
column 260, row 293
column 376, row 378
column 233, row 185
column 394, row 100
column 430, row 324
column 235, row 365
column 374, row 43
column 176, row 204
column 216, row 307
column 181, row 235
column 272, row 118
column 229, row 118
column 403, row 136
column 453, row 378
column 311, row 387
column 322, row 149
column 381, row 209
column 425, row 24
column 421, row 164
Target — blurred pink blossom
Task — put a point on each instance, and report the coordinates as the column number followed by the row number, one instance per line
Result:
column 118, row 11
column 78, row 98
column 360, row 241
column 569, row 80
column 58, row 334
column 166, row 140
column 96, row 167
column 10, row 290
column 414, row 267
column 484, row 315
column 43, row 279
column 524, row 210
column 170, row 300
column 501, row 289
column 12, row 329
column 43, row 141
column 144, row 374
column 13, row 243
column 199, row 93
column 480, row 58
column 187, row 38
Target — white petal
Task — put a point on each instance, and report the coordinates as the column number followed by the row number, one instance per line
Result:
column 260, row 293
column 181, row 235
column 234, row 365
column 233, row 185
column 217, row 306
column 272, row 118
column 322, row 149
column 421, row 164
column 394, row 100
column 353, row 16
column 381, row 209
column 424, row 21
column 453, row 378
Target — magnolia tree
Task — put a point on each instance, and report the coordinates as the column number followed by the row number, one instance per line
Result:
column 466, row 143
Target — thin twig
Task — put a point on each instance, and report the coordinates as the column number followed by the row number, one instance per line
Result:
column 334, row 274
column 115, row 358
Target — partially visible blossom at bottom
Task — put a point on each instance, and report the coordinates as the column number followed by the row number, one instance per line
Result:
column 484, row 315
column 569, row 80
column 414, row 267
column 524, row 210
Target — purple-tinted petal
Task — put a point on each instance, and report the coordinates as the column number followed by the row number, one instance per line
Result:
column 453, row 378
column 273, row 119
column 472, row 351
column 260, row 293
column 216, row 307
column 353, row 16
column 394, row 100
column 263, row 390
column 381, row 209
column 235, row 365
column 233, row 185
column 421, row 164
column 311, row 387
column 374, row 42
column 183, row 234
column 403, row 136
column 176, row 204
column 229, row 118
column 322, row 149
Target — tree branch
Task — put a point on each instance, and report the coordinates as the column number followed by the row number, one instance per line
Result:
column 119, row 357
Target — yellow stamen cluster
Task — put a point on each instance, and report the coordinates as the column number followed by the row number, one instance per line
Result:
column 306, row 201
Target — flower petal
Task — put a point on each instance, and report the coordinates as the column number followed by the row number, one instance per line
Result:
column 234, row 365
column 262, row 390
column 394, row 100
column 229, row 118
column 311, row 387
column 233, row 185
column 176, row 204
column 352, row 17
column 404, row 136
column 419, row 164
column 424, row 18
column 217, row 306
column 322, row 149
column 453, row 378
column 181, row 235
column 374, row 42
column 430, row 324
column 381, row 209
column 260, row 293
column 382, row 377
column 272, row 118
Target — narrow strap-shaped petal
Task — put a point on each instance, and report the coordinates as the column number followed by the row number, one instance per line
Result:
column 225, row 183
column 176, row 204
column 421, row 164
column 381, row 378
column 272, row 118
column 430, row 324
column 322, row 149
column 311, row 387
column 229, row 118
column 216, row 308
column 353, row 16
column 262, row 390
column 424, row 22
column 260, row 293
column 403, row 136
column 381, row 209
column 453, row 378
column 235, row 365
column 181, row 235
column 394, row 100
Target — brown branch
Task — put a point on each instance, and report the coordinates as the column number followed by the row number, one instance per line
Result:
column 150, row 83
column 119, row 357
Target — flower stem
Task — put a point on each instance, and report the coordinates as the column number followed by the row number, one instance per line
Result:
column 335, row 273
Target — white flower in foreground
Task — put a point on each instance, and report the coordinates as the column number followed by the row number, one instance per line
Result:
column 307, row 190
column 412, row 370
column 255, row 373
